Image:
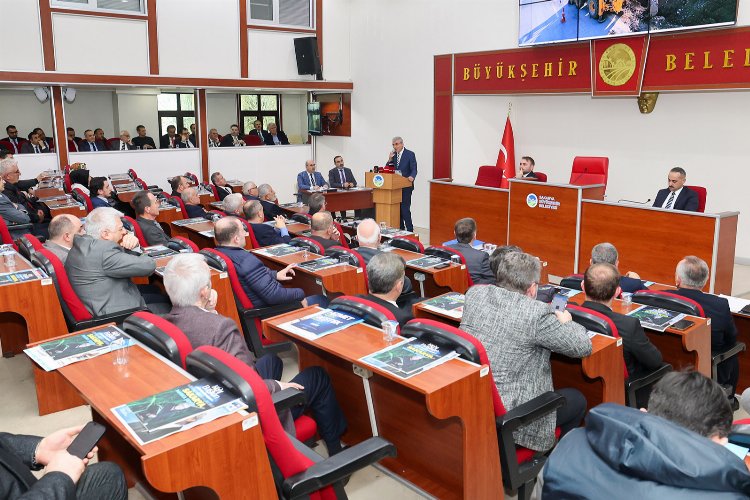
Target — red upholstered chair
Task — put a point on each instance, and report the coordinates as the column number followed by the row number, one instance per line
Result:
column 355, row 259
column 132, row 226
column 407, row 243
column 250, row 316
column 489, row 176
column 180, row 204
column 51, row 143
column 342, row 235
column 141, row 183
column 83, row 198
column 215, row 191
column 192, row 178
column 373, row 314
column 303, row 472
column 5, row 237
column 8, row 146
column 182, row 245
column 132, row 174
column 72, row 146
column 447, row 253
column 701, row 192
column 309, row 243
column 76, row 315
column 589, row 170
column 253, row 140
column 541, row 177
column 27, row 245
column 67, row 183
column 160, row 335
column 520, row 465
column 250, row 233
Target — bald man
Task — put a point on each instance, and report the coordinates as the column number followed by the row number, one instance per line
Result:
column 62, row 229
column 323, row 230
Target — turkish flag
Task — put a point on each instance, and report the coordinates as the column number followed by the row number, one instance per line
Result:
column 506, row 158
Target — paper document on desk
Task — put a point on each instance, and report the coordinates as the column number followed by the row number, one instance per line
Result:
column 71, row 349
column 208, row 234
column 320, row 324
column 185, row 222
column 318, row 264
column 426, row 262
column 409, row 357
column 279, row 250
column 656, row 318
column 450, row 304
column 736, row 304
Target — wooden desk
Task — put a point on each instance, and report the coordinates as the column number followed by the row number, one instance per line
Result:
column 651, row 241
column 221, row 455
column 436, row 281
column 206, row 199
column 742, row 322
column 235, row 185
column 441, row 421
column 63, row 206
column 48, row 191
column 344, row 199
column 352, row 231
column 192, row 232
column 167, row 215
column 126, row 193
column 293, row 208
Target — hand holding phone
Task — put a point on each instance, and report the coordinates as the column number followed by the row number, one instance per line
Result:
column 85, row 441
column 559, row 302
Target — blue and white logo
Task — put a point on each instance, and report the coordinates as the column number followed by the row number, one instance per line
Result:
column 532, row 200
column 378, row 180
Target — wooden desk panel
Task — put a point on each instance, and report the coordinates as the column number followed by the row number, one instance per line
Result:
column 345, row 199
column 58, row 207
column 437, row 281
column 449, row 202
column 48, row 191
column 742, row 322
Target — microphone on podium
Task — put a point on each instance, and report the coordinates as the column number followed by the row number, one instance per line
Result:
column 636, row 202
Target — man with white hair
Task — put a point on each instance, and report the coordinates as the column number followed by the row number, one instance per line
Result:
column 17, row 190
column 192, row 202
column 250, row 191
column 268, row 199
column 606, row 253
column 12, row 213
column 100, row 267
column 62, row 231
column 232, row 205
column 405, row 163
column 124, row 143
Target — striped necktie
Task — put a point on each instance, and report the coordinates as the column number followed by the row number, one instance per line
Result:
column 670, row 201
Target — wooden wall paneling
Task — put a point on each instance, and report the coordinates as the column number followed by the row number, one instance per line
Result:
column 153, row 37
column 202, row 132
column 58, row 121
column 443, row 117
column 243, row 39
column 48, row 43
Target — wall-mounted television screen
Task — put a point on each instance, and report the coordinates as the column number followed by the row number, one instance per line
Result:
column 314, row 121
column 551, row 21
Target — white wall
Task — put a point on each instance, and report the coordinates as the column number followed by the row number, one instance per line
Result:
column 221, row 112
column 207, row 36
column 92, row 109
column 336, row 40
column 22, row 109
column 294, row 117
column 135, row 108
column 98, row 45
column 21, row 37
column 271, row 55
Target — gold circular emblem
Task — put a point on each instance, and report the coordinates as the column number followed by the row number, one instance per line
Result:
column 617, row 64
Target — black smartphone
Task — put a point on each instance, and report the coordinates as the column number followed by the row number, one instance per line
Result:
column 443, row 265
column 683, row 324
column 559, row 302
column 85, row 441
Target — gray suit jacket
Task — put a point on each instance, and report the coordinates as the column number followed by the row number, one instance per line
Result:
column 60, row 251
column 12, row 213
column 153, row 232
column 478, row 263
column 100, row 273
column 519, row 333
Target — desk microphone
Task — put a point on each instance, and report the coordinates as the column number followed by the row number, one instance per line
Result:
column 636, row 202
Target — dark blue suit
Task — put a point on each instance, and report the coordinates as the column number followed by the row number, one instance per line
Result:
column 86, row 146
column 688, row 199
column 723, row 331
column 630, row 285
column 259, row 282
column 407, row 165
column 196, row 211
column 303, row 179
column 268, row 235
column 98, row 202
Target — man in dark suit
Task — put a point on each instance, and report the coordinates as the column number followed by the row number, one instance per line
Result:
column 13, row 213
column 601, row 285
column 250, row 191
column 185, row 141
column 676, row 196
column 146, row 208
column 405, row 162
column 268, row 199
column 477, row 261
column 310, row 178
column 323, row 231
column 274, row 136
column 385, row 275
column 213, row 139
column 258, row 131
column 63, row 229
column 35, row 144
column 143, row 141
column 169, row 140
column 341, row 177
column 101, row 190
column 193, row 137
column 193, row 204
column 232, row 139
column 13, row 139
column 73, row 140
column 17, row 192
column 265, row 235
column 123, row 143
column 607, row 253
column 368, row 236
column 100, row 138
column 89, row 144
column 178, row 184
column 65, row 476
column 691, row 276
column 526, row 168
column 222, row 187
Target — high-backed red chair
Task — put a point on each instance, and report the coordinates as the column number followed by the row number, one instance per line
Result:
column 72, row 146
column 67, row 183
column 132, row 174
column 489, row 176
column 541, row 177
column 355, row 259
column 447, row 253
column 83, row 198
column 520, row 465
column 28, row 244
column 160, row 335
column 76, row 315
column 111, row 143
column 253, row 140
column 589, row 170
column 141, row 183
column 309, row 243
column 304, row 474
column 373, row 314
column 132, row 226
column 250, row 233
column 250, row 316
column 215, row 191
column 8, row 146
column 192, row 178
column 409, row 243
column 342, row 235
column 180, row 204
column 701, row 192
column 182, row 245
column 5, row 236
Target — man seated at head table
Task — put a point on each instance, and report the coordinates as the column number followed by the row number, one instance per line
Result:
column 222, row 187
column 187, row 279
column 62, row 231
column 606, row 253
column 477, row 261
column 193, row 204
column 675, row 450
column 100, row 266
column 323, row 230
column 65, row 476
column 250, row 191
column 143, row 141
column 519, row 333
column 368, row 236
column 676, row 196
column 601, row 285
column 146, row 208
column 101, row 190
column 179, row 184
column 310, row 178
column 691, row 276
column 268, row 199
column 316, row 203
column 259, row 282
column 386, row 273
column 526, row 168
column 232, row 205
column 265, row 235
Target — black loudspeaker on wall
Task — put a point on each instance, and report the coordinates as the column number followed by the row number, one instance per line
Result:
column 308, row 62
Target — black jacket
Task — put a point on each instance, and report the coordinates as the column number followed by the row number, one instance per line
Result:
column 16, row 452
column 723, row 329
column 14, row 194
column 623, row 453
column 334, row 177
column 196, row 211
column 271, row 210
column 688, row 199
column 403, row 315
column 280, row 134
column 267, row 235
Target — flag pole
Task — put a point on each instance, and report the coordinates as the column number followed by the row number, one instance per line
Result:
column 510, row 105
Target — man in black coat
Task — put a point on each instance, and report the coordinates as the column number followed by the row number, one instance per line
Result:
column 676, row 196
column 385, row 275
column 170, row 139
column 274, row 136
column 265, row 234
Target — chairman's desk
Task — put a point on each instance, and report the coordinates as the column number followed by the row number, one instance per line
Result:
column 342, row 200
column 227, row 455
column 441, row 421
column 650, row 240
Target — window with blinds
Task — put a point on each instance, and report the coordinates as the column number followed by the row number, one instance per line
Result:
column 133, row 6
column 290, row 13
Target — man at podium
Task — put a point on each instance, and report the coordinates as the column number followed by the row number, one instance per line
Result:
column 676, row 196
column 405, row 162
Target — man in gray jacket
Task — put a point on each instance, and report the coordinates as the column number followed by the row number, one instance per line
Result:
column 519, row 333
column 100, row 267
column 12, row 213
column 477, row 261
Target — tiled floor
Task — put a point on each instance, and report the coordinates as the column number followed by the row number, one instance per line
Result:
column 20, row 414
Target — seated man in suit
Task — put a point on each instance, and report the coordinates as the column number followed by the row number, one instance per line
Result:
column 323, row 231
column 146, row 208
column 73, row 140
column 607, row 253
column 62, row 230
column 232, row 205
column 691, row 276
column 265, row 235
column 688, row 416
column 123, row 143
column 179, row 184
column 35, row 144
column 193, row 204
column 142, row 141
column 601, row 285
column 101, row 190
column 477, row 261
column 17, row 191
column 192, row 135
column 100, row 138
column 368, row 236
column 89, row 143
column 519, row 333
column 250, row 191
column 169, row 140
column 316, row 203
column 386, row 273
column 274, row 136
column 259, row 282
column 310, row 178
column 187, row 279
column 100, row 267
column 258, row 131
column 233, row 139
column 526, row 168
column 268, row 199
column 13, row 213
column 185, row 141
column 222, row 187
column 80, row 178
column 65, row 476
column 341, row 177
column 676, row 196
column 213, row 138
column 13, row 139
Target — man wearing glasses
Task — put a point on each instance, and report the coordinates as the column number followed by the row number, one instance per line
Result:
column 405, row 162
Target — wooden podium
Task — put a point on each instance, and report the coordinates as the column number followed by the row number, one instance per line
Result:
column 386, row 195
